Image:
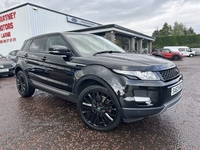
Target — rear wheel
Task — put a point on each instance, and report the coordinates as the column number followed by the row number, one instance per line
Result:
column 176, row 57
column 98, row 109
column 23, row 87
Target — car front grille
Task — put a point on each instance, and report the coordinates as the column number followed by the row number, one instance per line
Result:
column 169, row 74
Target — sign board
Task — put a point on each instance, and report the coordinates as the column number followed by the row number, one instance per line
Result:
column 81, row 22
column 6, row 27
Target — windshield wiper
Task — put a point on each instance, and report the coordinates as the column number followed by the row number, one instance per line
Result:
column 107, row 51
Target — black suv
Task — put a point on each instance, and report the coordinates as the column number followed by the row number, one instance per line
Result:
column 108, row 84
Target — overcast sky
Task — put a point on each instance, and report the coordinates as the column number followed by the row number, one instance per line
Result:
column 143, row 16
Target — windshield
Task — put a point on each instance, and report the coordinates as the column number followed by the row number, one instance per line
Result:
column 88, row 44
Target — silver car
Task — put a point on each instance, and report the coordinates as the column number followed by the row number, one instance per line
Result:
column 12, row 55
column 7, row 66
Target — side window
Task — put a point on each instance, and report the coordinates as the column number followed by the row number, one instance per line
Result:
column 25, row 46
column 55, row 40
column 166, row 50
column 181, row 49
column 38, row 45
column 13, row 53
column 188, row 50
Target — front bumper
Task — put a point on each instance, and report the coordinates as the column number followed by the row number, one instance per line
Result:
column 148, row 98
column 133, row 114
column 9, row 72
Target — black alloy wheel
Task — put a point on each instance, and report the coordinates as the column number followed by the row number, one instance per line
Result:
column 23, row 87
column 98, row 109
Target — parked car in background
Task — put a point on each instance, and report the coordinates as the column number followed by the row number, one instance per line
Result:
column 186, row 51
column 12, row 55
column 157, row 53
column 168, row 54
column 108, row 84
column 7, row 66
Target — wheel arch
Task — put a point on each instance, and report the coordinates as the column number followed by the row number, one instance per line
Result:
column 17, row 69
column 93, row 80
column 176, row 56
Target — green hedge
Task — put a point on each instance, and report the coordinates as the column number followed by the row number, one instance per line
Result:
column 192, row 41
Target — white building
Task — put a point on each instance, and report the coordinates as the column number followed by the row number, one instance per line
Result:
column 22, row 22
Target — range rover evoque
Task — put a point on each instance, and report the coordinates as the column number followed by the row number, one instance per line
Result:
column 107, row 84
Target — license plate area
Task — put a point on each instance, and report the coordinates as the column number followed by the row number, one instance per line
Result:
column 176, row 89
column 4, row 70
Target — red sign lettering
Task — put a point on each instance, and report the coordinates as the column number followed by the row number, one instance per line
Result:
column 8, row 16
column 6, row 36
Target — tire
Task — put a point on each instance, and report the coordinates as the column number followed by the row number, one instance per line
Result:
column 23, row 87
column 176, row 57
column 191, row 55
column 98, row 109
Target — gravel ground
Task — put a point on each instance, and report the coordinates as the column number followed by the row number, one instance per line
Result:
column 45, row 122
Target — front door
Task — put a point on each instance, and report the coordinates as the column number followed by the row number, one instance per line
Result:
column 59, row 75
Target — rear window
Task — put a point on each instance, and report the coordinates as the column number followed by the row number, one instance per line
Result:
column 25, row 46
column 38, row 45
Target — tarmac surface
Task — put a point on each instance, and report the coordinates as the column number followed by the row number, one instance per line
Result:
column 44, row 122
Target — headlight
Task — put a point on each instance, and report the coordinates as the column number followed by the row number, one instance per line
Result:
column 147, row 75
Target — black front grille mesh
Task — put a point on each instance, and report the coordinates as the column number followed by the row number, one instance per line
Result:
column 169, row 74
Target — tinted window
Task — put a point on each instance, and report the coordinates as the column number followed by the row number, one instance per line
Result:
column 55, row 40
column 25, row 46
column 13, row 53
column 165, row 50
column 38, row 45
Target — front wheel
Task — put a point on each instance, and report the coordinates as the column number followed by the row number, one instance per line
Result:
column 98, row 109
column 191, row 55
column 23, row 87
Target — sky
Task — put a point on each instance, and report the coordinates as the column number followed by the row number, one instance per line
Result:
column 144, row 16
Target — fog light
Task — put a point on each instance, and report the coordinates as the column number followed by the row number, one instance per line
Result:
column 129, row 99
column 140, row 100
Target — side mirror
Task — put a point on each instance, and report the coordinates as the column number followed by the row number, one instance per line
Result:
column 60, row 50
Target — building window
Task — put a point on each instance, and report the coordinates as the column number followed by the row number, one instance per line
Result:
column 123, row 42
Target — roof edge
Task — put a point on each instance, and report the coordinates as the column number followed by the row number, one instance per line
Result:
column 15, row 7
column 113, row 26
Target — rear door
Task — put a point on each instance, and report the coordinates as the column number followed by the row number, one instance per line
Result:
column 33, row 54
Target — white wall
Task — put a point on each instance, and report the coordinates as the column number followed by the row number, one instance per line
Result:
column 45, row 21
column 31, row 21
column 18, row 33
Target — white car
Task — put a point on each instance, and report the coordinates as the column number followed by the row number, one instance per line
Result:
column 186, row 51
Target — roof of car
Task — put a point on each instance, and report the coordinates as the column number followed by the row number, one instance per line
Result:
column 46, row 34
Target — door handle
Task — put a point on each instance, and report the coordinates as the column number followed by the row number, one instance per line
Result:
column 25, row 55
column 43, row 58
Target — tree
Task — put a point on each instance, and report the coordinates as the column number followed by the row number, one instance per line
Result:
column 156, row 33
column 189, row 31
column 166, row 30
column 178, row 29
